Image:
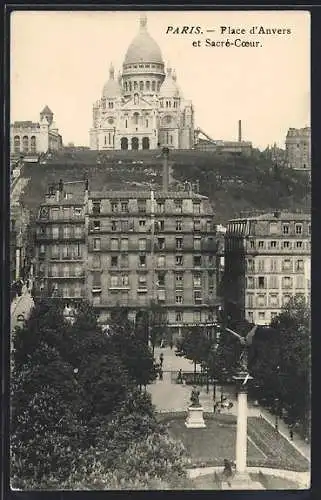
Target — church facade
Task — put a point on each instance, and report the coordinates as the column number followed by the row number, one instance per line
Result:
column 142, row 107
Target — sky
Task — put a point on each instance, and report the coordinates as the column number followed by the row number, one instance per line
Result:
column 62, row 59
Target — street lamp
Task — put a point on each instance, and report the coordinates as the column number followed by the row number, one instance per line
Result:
column 276, row 409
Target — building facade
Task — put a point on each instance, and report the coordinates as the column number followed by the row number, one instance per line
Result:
column 131, row 249
column 21, row 244
column 27, row 137
column 267, row 261
column 143, row 107
column 298, row 148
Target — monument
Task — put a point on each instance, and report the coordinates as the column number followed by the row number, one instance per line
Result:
column 195, row 419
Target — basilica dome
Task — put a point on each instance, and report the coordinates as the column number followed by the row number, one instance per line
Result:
column 169, row 87
column 111, row 87
column 143, row 48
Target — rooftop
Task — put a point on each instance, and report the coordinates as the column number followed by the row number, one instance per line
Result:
column 275, row 216
column 146, row 194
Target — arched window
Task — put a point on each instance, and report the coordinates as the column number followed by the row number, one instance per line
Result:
column 109, row 138
column 130, row 86
column 135, row 85
column 110, row 104
column 125, row 85
column 33, row 144
column 136, row 118
column 105, row 140
column 124, row 143
column 141, row 86
column 16, row 144
column 158, row 86
column 126, row 123
column 153, row 86
column 147, row 123
column 147, row 85
column 25, row 144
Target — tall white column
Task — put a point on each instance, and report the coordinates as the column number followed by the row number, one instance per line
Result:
column 241, row 431
column 17, row 263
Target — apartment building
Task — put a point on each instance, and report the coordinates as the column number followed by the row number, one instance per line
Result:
column 267, row 261
column 298, row 148
column 61, row 250
column 129, row 249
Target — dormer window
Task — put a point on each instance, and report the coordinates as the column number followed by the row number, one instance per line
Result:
column 110, row 105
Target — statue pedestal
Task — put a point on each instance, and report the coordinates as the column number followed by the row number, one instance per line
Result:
column 195, row 418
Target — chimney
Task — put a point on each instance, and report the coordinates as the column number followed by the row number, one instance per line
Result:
column 240, row 131
column 165, row 169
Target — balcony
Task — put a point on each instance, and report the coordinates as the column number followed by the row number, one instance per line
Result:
column 79, row 276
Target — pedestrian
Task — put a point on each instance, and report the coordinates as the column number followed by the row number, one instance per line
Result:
column 180, row 377
column 161, row 359
column 171, row 344
column 160, row 373
column 291, row 434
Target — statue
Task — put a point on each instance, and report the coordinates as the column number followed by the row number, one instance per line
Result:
column 195, row 397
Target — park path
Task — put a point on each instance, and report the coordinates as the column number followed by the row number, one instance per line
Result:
column 171, row 397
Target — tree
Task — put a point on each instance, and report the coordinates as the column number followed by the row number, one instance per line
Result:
column 282, row 364
column 157, row 324
column 194, row 345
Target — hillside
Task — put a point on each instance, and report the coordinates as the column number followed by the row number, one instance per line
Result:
column 233, row 184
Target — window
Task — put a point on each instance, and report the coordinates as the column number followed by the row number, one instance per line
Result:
column 114, row 225
column 55, row 213
column 65, row 252
column 142, row 244
column 273, row 315
column 197, row 243
column 250, row 300
column 261, row 282
column 160, row 207
column 196, row 208
column 142, row 260
column 124, row 225
column 161, row 279
column 114, row 244
column 96, row 225
column 298, row 229
column 273, row 244
column 197, row 297
column 161, row 261
column 78, row 271
column 66, row 212
column 250, row 265
column 252, row 244
column 309, row 228
column 142, row 281
column 178, row 225
column 178, row 206
column 299, row 244
column 179, row 260
column 124, row 206
column 161, row 295
column 285, row 228
column 96, row 207
column 287, row 265
column 161, row 225
column 197, row 260
column 197, row 225
column 261, row 316
column 179, row 280
column 299, row 265
column 161, row 243
column 124, row 261
column 125, row 280
column 124, row 244
column 261, row 300
column 261, row 244
column 77, row 292
column 299, row 281
column 114, row 261
column 286, row 299
column 96, row 243
column 261, row 265
column 141, row 206
column 96, row 279
column 250, row 316
column 65, row 292
column 274, row 282
column 142, row 223
column 66, row 231
column 273, row 228
column 178, row 317
column 197, row 282
column 287, row 282
column 197, row 316
column 286, row 244
column 250, row 282
column 274, row 265
column 114, row 281
column 179, row 298
column 114, row 207
column 54, row 270
column 179, row 243
column 96, row 261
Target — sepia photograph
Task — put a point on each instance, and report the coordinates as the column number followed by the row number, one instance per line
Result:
column 160, row 250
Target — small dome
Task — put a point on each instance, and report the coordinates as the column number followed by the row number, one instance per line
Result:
column 143, row 48
column 111, row 87
column 169, row 87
